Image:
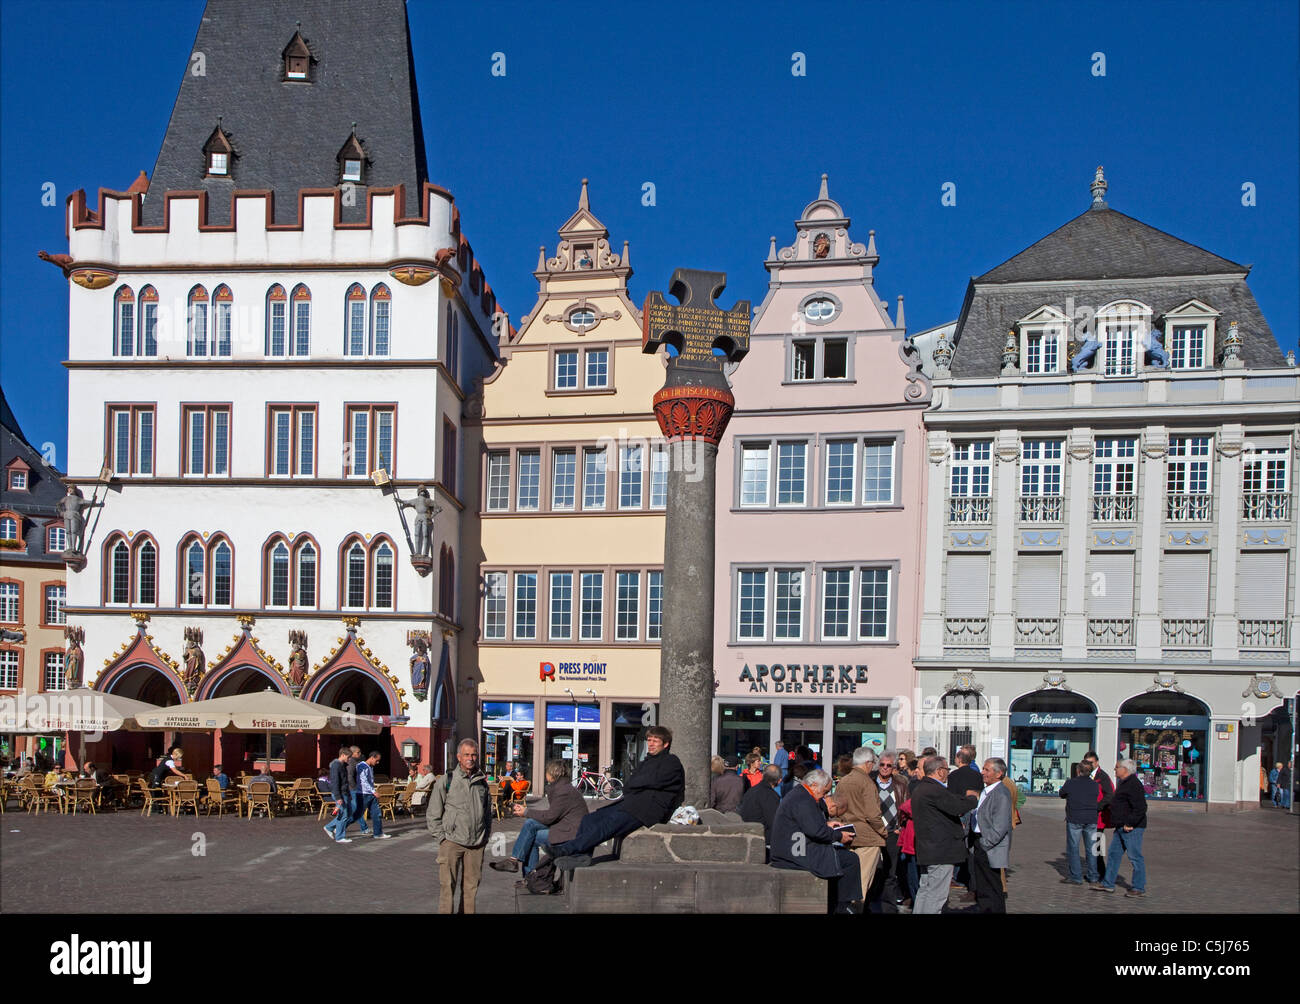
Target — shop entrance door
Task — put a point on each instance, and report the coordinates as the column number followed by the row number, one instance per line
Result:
column 573, row 735
column 804, row 725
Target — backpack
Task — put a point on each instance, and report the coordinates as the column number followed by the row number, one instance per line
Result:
column 542, row 880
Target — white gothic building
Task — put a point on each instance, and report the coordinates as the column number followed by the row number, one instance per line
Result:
column 1111, row 534
column 283, row 308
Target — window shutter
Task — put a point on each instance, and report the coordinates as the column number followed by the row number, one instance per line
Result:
column 1038, row 585
column 1185, row 582
column 968, row 585
column 1111, row 575
column 1261, row 586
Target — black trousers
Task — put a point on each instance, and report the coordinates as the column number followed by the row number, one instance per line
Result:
column 890, row 881
column 848, row 887
column 987, row 883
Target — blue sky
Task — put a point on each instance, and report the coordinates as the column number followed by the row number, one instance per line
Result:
column 898, row 99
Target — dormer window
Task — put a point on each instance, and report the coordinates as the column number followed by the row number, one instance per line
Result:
column 352, row 161
column 1042, row 341
column 297, row 59
column 1120, row 328
column 218, row 152
column 1189, row 335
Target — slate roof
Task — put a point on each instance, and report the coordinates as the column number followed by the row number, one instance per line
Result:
column 287, row 134
column 1101, row 243
column 45, row 487
column 1083, row 259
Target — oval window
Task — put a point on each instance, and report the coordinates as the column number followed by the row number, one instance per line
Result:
column 820, row 309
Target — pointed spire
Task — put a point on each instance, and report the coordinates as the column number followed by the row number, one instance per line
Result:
column 771, row 249
column 1098, row 189
column 898, row 319
column 582, row 198
column 627, row 255
column 823, row 193
column 541, row 258
column 871, row 244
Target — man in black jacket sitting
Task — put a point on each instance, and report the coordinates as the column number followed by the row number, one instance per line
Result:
column 801, row 838
column 654, row 790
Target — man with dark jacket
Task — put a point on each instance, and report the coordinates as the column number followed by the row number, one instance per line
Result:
column 759, row 804
column 802, row 839
column 341, row 793
column 726, row 789
column 966, row 777
column 555, row 824
column 937, row 812
column 1128, row 815
column 654, row 790
column 1106, row 788
column 891, row 789
column 1080, row 794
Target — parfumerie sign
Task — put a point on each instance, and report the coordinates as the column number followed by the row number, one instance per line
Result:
column 1053, row 719
column 802, row 678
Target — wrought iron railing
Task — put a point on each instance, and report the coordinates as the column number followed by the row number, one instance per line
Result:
column 1114, row 508
column 1184, row 633
column 1262, row 634
column 1041, row 508
column 969, row 510
column 1266, row 506
column 1110, row 632
column 1188, row 508
column 1040, row 632
column 959, row 631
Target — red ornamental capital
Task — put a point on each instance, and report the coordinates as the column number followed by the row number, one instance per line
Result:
column 694, row 412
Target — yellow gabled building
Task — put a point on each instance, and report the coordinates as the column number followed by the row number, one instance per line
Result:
column 565, row 522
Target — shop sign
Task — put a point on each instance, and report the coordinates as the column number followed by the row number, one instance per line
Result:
column 1223, row 731
column 572, row 671
column 1190, row 723
column 799, row 678
column 1053, row 719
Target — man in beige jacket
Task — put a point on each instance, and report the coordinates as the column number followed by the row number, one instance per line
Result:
column 857, row 801
column 459, row 820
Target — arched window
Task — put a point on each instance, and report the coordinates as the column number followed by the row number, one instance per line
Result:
column 381, row 312
column 278, row 575
column 124, row 322
column 194, row 570
column 354, row 321
column 300, row 345
column 223, row 307
column 223, row 559
column 147, row 344
column 354, row 581
column 277, row 321
column 119, row 571
column 383, row 572
column 196, row 334
column 1121, row 326
column 306, row 572
column 146, row 572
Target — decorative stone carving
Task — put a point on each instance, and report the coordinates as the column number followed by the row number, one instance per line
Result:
column 1261, row 686
column 964, row 681
column 1080, row 448
column 420, row 663
column 1008, row 451
column 1232, row 343
column 195, row 665
column 298, row 662
column 1155, row 445
column 821, row 246
column 74, row 659
column 1098, row 187
column 942, row 355
column 1165, row 682
column 918, row 384
column 1153, row 345
column 1054, row 679
column 1011, row 354
column 1083, row 358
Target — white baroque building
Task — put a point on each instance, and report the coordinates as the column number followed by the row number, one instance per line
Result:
column 286, row 307
column 1111, row 534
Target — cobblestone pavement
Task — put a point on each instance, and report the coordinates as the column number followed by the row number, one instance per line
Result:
column 122, row 863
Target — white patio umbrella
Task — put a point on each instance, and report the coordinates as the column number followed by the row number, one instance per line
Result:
column 81, row 710
column 266, row 711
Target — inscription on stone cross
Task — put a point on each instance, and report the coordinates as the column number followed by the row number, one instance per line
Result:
column 696, row 325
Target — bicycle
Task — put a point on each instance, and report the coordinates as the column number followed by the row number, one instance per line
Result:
column 591, row 784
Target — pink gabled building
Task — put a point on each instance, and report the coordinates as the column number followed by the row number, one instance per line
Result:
column 820, row 508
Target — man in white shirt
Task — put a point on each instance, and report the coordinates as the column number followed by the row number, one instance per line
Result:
column 423, row 782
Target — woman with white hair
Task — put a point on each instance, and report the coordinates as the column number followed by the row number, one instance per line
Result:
column 802, row 839
column 1128, row 815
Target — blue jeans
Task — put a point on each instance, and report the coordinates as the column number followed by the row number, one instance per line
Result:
column 358, row 808
column 376, row 814
column 1089, row 831
column 913, row 876
column 528, row 843
column 338, row 824
column 1130, row 843
column 597, row 827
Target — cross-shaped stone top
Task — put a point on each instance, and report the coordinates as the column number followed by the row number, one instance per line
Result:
column 696, row 325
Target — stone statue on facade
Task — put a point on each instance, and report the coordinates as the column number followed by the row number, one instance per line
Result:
column 1232, row 343
column 420, row 663
column 74, row 659
column 194, row 661
column 72, row 509
column 297, row 661
column 1157, row 357
column 1010, row 353
column 1083, row 358
column 426, row 510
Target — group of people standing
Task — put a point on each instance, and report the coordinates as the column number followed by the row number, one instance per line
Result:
column 1094, row 803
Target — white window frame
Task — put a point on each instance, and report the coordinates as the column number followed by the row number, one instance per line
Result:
column 853, row 474
column 1192, row 314
column 1127, row 318
column 755, row 449
column 891, row 467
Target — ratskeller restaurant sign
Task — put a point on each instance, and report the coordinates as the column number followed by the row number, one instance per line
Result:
column 802, row 678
